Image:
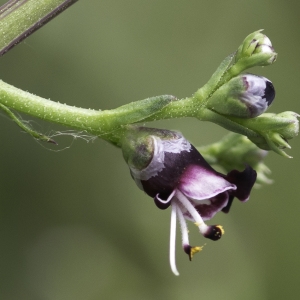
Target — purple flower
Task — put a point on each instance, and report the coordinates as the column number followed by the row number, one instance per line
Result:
column 178, row 176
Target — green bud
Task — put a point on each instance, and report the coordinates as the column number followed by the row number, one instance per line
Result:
column 244, row 96
column 286, row 124
column 273, row 130
column 256, row 50
column 268, row 131
column 248, row 45
column 291, row 130
column 260, row 142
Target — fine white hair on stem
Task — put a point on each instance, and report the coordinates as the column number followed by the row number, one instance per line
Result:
column 173, row 240
column 68, row 133
column 75, row 134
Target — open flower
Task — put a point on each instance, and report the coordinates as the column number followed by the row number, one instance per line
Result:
column 177, row 175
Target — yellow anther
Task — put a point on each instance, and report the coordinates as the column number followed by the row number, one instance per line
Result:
column 221, row 228
column 194, row 250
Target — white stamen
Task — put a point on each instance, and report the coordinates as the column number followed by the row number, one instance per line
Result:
column 173, row 240
column 168, row 200
column 193, row 212
column 183, row 225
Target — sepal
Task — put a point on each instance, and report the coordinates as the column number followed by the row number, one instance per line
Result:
column 139, row 147
column 137, row 111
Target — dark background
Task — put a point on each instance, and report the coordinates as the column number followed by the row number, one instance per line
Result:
column 73, row 225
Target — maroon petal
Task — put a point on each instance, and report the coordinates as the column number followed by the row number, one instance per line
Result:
column 208, row 208
column 244, row 182
column 202, row 183
column 163, row 203
column 228, row 206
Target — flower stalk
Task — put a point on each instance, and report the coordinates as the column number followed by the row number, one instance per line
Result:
column 107, row 124
column 232, row 100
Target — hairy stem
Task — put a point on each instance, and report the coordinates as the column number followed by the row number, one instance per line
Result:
column 107, row 124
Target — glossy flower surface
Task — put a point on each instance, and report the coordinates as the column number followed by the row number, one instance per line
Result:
column 178, row 176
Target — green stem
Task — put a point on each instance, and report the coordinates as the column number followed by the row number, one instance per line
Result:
column 20, row 18
column 111, row 125
column 107, row 124
column 48, row 110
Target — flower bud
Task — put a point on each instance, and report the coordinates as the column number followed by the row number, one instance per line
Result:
column 274, row 130
column 244, row 96
column 256, row 50
column 292, row 129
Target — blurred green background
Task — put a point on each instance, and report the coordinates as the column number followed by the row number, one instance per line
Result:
column 73, row 225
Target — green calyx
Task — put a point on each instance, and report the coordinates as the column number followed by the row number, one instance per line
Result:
column 138, row 145
column 227, row 99
column 256, row 50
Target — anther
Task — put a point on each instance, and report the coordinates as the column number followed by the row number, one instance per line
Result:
column 190, row 250
column 214, row 232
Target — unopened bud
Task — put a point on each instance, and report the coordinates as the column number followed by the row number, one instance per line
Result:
column 244, row 96
column 291, row 130
column 274, row 130
column 256, row 50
